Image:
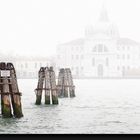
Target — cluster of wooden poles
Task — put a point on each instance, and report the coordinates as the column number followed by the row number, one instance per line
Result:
column 47, row 83
column 11, row 97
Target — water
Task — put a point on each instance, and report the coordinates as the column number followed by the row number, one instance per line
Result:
column 100, row 106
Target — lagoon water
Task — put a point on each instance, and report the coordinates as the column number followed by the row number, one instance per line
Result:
column 100, row 107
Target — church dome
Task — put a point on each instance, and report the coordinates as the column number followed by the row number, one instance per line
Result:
column 103, row 28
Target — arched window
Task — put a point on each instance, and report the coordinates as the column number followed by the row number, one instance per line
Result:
column 100, row 48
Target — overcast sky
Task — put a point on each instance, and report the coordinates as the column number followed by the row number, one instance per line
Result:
column 36, row 26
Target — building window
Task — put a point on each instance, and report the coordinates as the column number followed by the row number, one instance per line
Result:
column 107, row 62
column 100, row 48
column 93, row 62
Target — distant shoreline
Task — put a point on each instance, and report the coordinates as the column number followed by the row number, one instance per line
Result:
column 96, row 78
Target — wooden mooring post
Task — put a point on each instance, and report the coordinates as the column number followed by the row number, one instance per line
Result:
column 10, row 95
column 39, row 86
column 47, row 86
column 53, row 86
column 65, row 86
column 70, row 82
column 47, row 83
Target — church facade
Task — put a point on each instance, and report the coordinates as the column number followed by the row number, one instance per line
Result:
column 102, row 53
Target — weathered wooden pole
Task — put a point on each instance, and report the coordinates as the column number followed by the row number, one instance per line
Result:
column 60, row 85
column 72, row 91
column 15, row 94
column 70, row 83
column 39, row 86
column 65, row 83
column 5, row 91
column 47, row 86
column 47, row 82
column 53, row 86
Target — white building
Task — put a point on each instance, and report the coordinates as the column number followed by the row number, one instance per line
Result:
column 28, row 67
column 102, row 53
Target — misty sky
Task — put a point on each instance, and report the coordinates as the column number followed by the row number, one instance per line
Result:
column 36, row 26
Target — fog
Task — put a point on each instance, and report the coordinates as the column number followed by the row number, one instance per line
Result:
column 35, row 27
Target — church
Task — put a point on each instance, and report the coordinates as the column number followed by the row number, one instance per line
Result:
column 102, row 53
